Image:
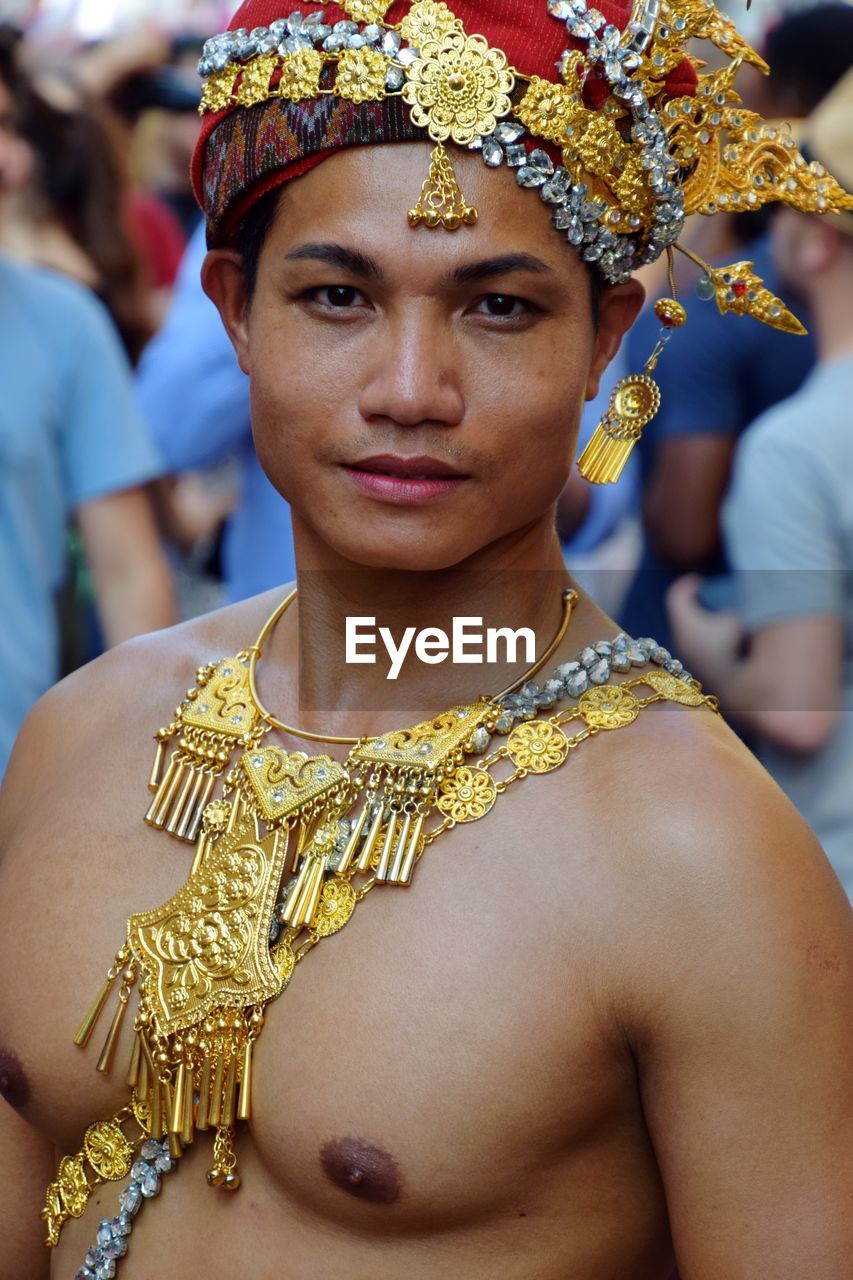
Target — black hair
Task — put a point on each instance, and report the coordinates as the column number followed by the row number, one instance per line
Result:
column 808, row 53
column 257, row 224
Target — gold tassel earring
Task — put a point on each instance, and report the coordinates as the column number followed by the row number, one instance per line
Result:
column 634, row 402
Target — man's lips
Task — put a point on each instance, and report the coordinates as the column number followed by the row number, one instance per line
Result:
column 405, row 481
column 422, row 468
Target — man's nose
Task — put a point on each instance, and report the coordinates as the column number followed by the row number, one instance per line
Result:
column 417, row 377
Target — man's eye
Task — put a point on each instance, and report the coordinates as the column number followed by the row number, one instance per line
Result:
column 340, row 297
column 503, row 306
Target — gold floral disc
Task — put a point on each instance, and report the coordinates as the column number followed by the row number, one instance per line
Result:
column 285, row 963
column 459, row 88
column 467, row 796
column 609, row 707
column 73, row 1187
column 673, row 689
column 366, row 10
column 636, row 400
column 537, row 746
column 335, row 910
column 108, row 1151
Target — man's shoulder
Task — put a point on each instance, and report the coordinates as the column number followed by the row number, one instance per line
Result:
column 684, row 810
column 92, row 722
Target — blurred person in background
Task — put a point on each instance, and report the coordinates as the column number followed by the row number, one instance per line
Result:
column 788, row 524
column 72, row 445
column 195, row 398
column 686, row 455
column 73, row 216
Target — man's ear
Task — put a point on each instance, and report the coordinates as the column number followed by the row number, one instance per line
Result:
column 618, row 308
column 224, row 282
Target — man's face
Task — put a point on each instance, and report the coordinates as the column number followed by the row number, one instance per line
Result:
column 16, row 161
column 416, row 394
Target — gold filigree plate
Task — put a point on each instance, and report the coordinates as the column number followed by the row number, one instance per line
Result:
column 337, row 903
column 224, row 705
column 609, row 707
column 468, row 795
column 428, row 744
column 284, row 781
column 537, row 746
column 108, row 1151
column 673, row 689
column 208, row 946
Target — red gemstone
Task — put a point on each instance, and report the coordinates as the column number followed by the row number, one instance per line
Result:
column 739, row 288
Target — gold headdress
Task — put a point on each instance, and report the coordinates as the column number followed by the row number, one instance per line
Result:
column 628, row 138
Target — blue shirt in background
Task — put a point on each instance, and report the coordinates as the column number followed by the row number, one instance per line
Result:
column 196, row 400
column 717, row 375
column 70, row 432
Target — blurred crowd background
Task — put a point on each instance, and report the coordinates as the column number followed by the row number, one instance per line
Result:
column 129, row 492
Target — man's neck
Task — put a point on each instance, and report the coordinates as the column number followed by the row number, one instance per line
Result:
column 516, row 586
column 831, row 301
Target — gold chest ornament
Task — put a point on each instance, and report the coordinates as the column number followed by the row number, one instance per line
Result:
column 284, row 854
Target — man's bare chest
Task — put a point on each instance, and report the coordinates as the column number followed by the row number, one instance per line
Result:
column 434, row 1004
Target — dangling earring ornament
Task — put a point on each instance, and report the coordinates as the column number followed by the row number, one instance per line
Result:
column 633, row 404
column 442, row 202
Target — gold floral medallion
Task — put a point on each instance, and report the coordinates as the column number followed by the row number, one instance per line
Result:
column 285, row 962
column 366, row 10
column 300, row 75
column 255, row 82
column 361, row 75
column 108, row 1151
column 337, row 904
column 459, row 88
column 73, row 1187
column 467, row 796
column 673, row 689
column 609, row 707
column 537, row 746
column 547, row 109
column 426, row 21
column 218, row 89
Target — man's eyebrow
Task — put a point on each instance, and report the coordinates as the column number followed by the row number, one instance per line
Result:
column 500, row 266
column 338, row 255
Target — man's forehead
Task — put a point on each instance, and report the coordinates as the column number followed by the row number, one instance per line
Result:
column 358, row 199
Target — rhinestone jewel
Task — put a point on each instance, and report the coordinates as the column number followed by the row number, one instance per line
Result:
column 493, row 152
column 130, row 1199
column 147, row 1177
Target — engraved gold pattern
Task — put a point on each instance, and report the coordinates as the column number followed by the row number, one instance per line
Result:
column 609, row 707
column 224, row 705
column 108, row 1151
column 207, row 946
column 361, row 75
column 739, row 290
column 284, row 781
column 428, row 22
column 459, row 88
column 468, row 795
column 300, row 75
column 366, row 10
column 425, row 744
column 538, row 746
column 337, row 904
column 673, row 689
column 73, row 1186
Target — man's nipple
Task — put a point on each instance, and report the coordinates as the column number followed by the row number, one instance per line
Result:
column 362, row 1170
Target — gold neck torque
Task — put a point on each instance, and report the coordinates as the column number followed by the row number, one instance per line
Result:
column 569, row 599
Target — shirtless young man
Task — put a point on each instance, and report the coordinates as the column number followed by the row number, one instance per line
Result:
column 607, row 1030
